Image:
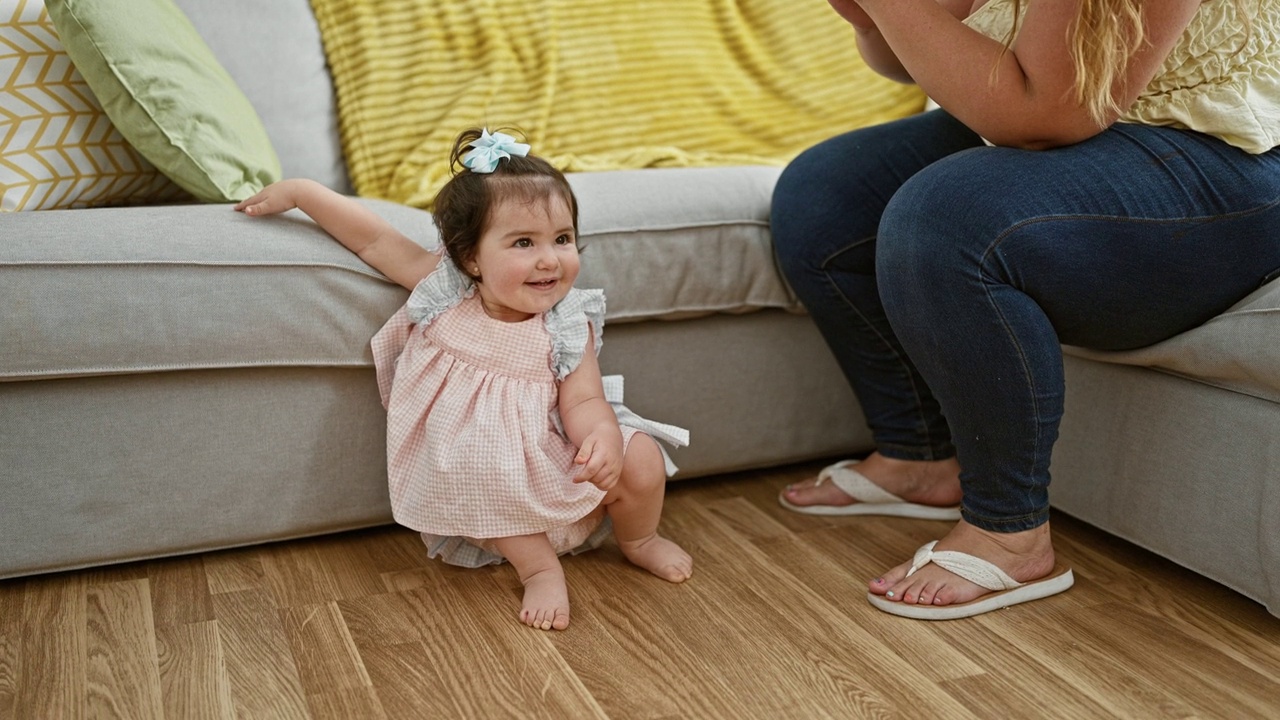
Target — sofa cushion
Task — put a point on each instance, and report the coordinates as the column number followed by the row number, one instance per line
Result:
column 129, row 290
column 300, row 115
column 1236, row 350
column 59, row 149
column 166, row 93
column 674, row 243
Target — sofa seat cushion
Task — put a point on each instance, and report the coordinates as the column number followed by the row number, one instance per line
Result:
column 1236, row 350
column 133, row 290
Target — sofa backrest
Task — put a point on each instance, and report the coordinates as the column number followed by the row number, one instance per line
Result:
column 273, row 51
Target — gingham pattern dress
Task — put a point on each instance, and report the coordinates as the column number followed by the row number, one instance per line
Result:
column 474, row 445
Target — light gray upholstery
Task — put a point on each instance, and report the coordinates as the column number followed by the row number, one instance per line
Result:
column 1238, row 351
column 202, row 286
column 1183, row 468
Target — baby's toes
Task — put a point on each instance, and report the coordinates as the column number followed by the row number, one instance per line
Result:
column 560, row 621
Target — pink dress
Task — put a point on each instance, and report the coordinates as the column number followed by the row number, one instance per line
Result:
column 475, row 448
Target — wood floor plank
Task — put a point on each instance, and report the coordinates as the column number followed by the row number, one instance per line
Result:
column 468, row 637
column 12, row 593
column 815, row 652
column 394, row 548
column 526, row 677
column 689, row 666
column 773, row 624
column 295, row 574
column 362, row 703
column 1013, row 683
column 407, row 682
column 640, row 691
column 51, row 679
column 260, row 666
column 193, row 672
column 350, row 563
column 9, row 660
column 1205, row 610
column 234, row 570
column 393, row 618
column 393, row 632
column 123, row 677
column 1193, row 672
column 402, row 561
column 323, row 649
column 842, row 589
column 1066, row 641
column 179, row 591
column 11, row 632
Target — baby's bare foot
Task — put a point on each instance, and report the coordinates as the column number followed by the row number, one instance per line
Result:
column 659, row 556
column 546, row 600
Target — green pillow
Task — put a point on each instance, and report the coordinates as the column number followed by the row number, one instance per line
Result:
column 165, row 92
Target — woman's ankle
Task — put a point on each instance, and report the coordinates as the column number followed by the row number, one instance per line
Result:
column 934, row 482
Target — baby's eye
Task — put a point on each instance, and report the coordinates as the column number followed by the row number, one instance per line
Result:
column 564, row 240
column 524, row 243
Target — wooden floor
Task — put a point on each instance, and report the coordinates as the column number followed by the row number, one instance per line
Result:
column 774, row 624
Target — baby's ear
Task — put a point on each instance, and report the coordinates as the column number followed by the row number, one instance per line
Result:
column 470, row 269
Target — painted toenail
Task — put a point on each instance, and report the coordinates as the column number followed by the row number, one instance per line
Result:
column 889, row 594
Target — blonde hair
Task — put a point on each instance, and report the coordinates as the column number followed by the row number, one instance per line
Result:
column 1105, row 35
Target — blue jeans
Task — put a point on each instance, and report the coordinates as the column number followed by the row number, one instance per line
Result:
column 945, row 274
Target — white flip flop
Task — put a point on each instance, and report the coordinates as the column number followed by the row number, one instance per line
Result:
column 1005, row 590
column 871, row 498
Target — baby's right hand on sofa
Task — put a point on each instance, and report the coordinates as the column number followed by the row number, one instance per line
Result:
column 275, row 198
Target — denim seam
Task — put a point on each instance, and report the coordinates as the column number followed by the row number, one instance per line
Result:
column 825, row 264
column 987, row 283
column 1136, row 220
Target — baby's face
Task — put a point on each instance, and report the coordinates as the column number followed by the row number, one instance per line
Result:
column 527, row 258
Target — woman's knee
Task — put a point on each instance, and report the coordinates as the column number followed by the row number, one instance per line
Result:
column 940, row 222
column 800, row 188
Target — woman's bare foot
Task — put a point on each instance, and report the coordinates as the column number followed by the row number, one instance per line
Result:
column 1024, row 556
column 926, row 482
column 659, row 556
column 546, row 600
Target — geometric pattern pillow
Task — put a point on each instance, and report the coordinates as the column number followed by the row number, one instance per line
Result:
column 167, row 93
column 58, row 149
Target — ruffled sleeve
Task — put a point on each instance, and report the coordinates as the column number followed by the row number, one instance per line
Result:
column 445, row 287
column 568, row 324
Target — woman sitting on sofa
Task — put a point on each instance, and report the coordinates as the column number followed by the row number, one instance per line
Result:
column 1102, row 173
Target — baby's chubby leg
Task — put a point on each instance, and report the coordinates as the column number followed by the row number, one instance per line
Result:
column 635, row 505
column 546, row 597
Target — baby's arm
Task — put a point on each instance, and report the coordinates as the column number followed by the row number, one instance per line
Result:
column 359, row 229
column 590, row 423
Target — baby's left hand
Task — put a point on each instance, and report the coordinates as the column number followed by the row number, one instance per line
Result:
column 601, row 462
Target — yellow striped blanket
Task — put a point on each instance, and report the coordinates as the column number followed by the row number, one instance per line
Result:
column 592, row 84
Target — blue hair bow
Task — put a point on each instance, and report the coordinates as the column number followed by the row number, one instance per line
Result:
column 489, row 149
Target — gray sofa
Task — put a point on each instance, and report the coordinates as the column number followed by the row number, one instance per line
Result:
column 175, row 379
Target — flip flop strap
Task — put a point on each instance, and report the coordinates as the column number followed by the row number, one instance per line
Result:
column 974, row 569
column 855, row 484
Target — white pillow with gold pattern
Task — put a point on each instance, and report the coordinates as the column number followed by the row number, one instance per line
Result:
column 57, row 147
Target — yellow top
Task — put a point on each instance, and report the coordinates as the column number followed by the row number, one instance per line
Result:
column 1204, row 85
column 593, row 85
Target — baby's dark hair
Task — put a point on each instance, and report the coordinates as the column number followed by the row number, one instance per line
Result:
column 461, row 209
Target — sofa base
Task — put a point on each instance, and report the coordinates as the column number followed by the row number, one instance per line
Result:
column 118, row 468
column 1181, row 468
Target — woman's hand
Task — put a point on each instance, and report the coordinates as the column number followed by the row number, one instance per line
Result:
column 851, row 11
